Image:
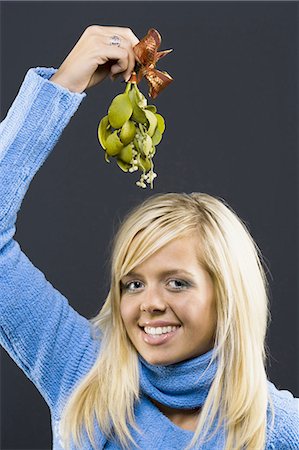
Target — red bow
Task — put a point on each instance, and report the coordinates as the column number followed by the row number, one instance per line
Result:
column 147, row 55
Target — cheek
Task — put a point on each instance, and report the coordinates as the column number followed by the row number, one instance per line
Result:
column 199, row 313
column 126, row 312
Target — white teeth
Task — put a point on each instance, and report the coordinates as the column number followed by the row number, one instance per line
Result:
column 159, row 330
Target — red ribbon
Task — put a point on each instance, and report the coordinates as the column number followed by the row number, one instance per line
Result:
column 147, row 55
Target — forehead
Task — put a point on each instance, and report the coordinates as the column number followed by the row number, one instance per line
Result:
column 177, row 255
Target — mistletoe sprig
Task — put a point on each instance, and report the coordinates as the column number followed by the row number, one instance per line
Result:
column 132, row 129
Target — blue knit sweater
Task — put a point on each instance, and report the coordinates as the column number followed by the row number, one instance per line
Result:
column 43, row 334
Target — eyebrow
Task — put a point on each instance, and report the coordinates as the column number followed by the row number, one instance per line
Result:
column 164, row 273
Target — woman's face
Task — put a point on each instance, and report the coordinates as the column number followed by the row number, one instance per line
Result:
column 168, row 305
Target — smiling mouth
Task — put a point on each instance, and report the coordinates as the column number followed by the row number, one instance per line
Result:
column 159, row 335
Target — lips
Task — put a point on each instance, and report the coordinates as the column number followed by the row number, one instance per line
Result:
column 159, row 339
column 159, row 323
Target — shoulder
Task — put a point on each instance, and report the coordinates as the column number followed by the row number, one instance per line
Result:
column 285, row 433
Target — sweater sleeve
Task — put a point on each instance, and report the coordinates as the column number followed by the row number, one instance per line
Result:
column 285, row 435
column 41, row 332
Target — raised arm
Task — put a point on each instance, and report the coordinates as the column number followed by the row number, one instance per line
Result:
column 38, row 327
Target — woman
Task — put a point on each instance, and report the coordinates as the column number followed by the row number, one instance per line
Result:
column 176, row 355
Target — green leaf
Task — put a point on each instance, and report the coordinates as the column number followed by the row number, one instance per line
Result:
column 138, row 114
column 113, row 144
column 151, row 108
column 104, row 130
column 128, row 132
column 125, row 167
column 120, row 110
column 161, row 123
column 126, row 153
column 157, row 137
column 152, row 119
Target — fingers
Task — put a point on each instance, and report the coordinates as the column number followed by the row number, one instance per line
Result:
column 126, row 33
column 121, row 56
column 124, row 54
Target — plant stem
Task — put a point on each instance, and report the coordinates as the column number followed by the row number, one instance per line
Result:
column 128, row 87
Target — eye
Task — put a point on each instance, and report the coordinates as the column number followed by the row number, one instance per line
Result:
column 131, row 286
column 178, row 285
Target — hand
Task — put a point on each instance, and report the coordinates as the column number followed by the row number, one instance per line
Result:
column 93, row 58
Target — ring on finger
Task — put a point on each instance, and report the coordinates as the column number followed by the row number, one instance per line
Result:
column 115, row 40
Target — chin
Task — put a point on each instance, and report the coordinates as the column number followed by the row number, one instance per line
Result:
column 160, row 360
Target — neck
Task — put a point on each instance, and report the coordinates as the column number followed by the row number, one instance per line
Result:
column 177, row 385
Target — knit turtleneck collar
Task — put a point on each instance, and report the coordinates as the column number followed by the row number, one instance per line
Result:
column 181, row 385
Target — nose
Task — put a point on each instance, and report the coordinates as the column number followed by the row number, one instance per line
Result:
column 153, row 301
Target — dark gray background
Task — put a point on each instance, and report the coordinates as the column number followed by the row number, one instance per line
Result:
column 231, row 130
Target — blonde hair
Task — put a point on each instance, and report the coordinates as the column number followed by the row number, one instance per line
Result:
column 239, row 392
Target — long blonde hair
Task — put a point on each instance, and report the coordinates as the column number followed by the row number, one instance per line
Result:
column 239, row 392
